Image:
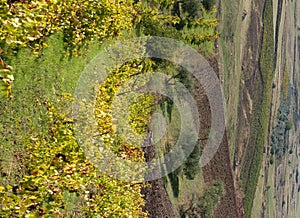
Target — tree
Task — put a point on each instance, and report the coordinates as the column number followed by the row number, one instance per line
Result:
column 288, row 125
column 29, row 23
column 192, row 165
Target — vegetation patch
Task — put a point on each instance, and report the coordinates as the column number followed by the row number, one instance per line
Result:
column 44, row 171
column 285, row 82
column 260, row 118
column 56, row 179
column 205, row 204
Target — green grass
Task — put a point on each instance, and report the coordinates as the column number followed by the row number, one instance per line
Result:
column 228, row 34
column 29, row 118
column 179, row 188
column 260, row 118
column 256, row 209
column 285, row 82
column 36, row 78
column 271, row 200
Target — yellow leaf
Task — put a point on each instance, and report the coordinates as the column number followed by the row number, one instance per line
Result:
column 32, row 197
column 30, row 215
column 2, row 188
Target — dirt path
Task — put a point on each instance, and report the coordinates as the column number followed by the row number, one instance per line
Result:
column 220, row 167
column 239, row 77
column 158, row 203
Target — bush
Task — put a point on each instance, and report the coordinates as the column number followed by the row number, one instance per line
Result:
column 288, row 125
column 192, row 165
column 208, row 4
column 29, row 22
column 192, row 7
column 210, row 199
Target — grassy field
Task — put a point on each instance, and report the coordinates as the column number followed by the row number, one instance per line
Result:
column 228, row 29
column 183, row 188
column 256, row 209
column 271, row 200
column 27, row 118
column 260, row 118
column 183, row 192
column 24, row 118
column 285, row 82
column 35, row 80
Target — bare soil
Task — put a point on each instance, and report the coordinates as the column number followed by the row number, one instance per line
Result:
column 158, row 203
column 220, row 167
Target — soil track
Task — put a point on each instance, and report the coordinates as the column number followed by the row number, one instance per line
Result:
column 158, row 203
column 219, row 168
column 240, row 76
column 250, row 75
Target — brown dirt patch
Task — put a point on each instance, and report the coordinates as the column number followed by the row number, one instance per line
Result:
column 158, row 203
column 219, row 168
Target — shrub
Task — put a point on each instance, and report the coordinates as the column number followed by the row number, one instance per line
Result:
column 208, row 4
column 210, row 199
